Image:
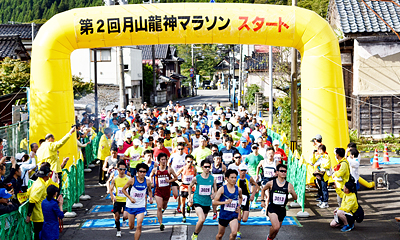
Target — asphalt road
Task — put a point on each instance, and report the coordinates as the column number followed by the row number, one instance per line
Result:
column 380, row 206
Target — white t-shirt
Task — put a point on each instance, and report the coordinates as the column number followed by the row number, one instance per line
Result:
column 354, row 165
column 256, row 134
column 177, row 162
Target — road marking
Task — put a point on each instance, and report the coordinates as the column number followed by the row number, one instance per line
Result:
column 179, row 232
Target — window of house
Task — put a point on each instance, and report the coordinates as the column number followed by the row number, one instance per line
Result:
column 103, row 55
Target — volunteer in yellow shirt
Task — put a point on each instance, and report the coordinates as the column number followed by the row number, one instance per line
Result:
column 47, row 152
column 37, row 193
column 104, row 151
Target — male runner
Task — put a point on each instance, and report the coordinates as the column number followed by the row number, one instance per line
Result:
column 119, row 200
column 244, row 182
column 268, row 167
column 176, row 162
column 279, row 190
column 252, row 161
column 230, row 197
column 218, row 171
column 188, row 173
column 135, row 190
column 162, row 181
column 202, row 197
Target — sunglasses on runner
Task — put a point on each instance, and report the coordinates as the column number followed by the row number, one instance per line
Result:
column 189, row 162
column 122, row 169
column 282, row 171
column 237, row 157
column 180, row 149
column 206, row 166
column 143, row 171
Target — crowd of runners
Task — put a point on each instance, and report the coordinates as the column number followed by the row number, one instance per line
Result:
column 211, row 159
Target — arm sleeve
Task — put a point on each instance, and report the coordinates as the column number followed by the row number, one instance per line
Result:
column 354, row 163
column 339, row 192
column 10, row 176
column 57, row 145
column 7, row 209
column 326, row 164
column 30, row 208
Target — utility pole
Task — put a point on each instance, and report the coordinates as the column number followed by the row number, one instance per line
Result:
column 293, row 95
column 240, row 75
column 194, row 73
column 271, row 90
column 96, row 99
column 153, row 59
column 122, row 102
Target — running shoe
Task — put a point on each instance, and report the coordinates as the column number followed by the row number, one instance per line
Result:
column 145, row 213
column 346, row 228
column 119, row 234
column 254, row 205
column 178, row 209
column 162, row 227
column 184, row 219
column 194, row 237
column 188, row 209
column 263, row 211
column 163, row 210
column 238, row 236
column 215, row 216
column 324, row 205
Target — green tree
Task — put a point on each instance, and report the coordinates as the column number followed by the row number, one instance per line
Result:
column 249, row 96
column 147, row 81
column 81, row 88
column 14, row 74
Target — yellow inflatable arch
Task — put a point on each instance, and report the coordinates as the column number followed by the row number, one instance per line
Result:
column 322, row 92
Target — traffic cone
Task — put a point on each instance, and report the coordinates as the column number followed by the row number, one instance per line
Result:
column 375, row 163
column 385, row 154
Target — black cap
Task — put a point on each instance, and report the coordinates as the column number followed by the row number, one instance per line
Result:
column 43, row 172
column 161, row 140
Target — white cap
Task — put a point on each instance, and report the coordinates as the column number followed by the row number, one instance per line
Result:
column 120, row 142
column 136, row 142
column 247, row 130
column 180, row 139
column 128, row 135
column 122, row 125
column 275, row 142
column 19, row 156
column 254, row 112
column 243, row 167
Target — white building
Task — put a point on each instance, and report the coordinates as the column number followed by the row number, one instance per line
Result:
column 108, row 73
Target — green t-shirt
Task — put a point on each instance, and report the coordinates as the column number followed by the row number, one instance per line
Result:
column 202, row 195
column 252, row 161
column 135, row 154
column 200, row 154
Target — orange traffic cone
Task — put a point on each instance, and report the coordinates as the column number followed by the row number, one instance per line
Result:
column 385, row 154
column 375, row 163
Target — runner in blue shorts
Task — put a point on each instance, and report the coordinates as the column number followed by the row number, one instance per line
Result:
column 135, row 192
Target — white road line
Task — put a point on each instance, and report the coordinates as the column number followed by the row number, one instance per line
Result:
column 179, row 232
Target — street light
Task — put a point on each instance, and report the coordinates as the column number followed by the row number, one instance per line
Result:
column 194, row 67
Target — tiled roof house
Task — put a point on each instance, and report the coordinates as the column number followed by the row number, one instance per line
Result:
column 370, row 51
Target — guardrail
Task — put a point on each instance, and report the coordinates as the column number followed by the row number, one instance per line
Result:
column 13, row 225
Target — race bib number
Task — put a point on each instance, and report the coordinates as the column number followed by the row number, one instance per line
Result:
column 231, row 207
column 169, row 149
column 277, row 157
column 187, row 179
column 227, row 157
column 196, row 145
column 268, row 172
column 135, row 157
column 120, row 193
column 179, row 166
column 163, row 182
column 244, row 200
column 219, row 178
column 204, row 134
column 205, row 190
column 228, row 115
column 279, row 199
column 138, row 195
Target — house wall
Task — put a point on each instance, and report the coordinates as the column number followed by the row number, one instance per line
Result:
column 82, row 65
column 376, row 68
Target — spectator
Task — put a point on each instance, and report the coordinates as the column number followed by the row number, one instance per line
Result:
column 52, row 211
column 344, row 215
column 104, row 151
column 37, row 195
column 354, row 162
column 6, row 206
column 321, row 167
